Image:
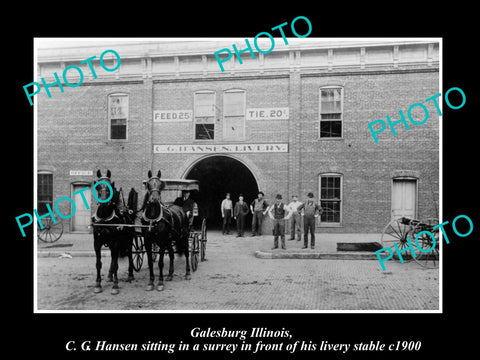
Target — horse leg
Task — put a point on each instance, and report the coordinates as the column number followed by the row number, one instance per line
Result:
column 98, row 254
column 114, row 266
column 110, row 273
column 171, row 256
column 187, row 270
column 148, row 248
column 160, row 267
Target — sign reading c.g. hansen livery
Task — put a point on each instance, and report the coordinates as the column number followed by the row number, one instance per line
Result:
column 172, row 115
column 267, row 113
column 220, row 148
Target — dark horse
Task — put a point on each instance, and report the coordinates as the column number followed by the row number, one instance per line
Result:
column 165, row 225
column 119, row 239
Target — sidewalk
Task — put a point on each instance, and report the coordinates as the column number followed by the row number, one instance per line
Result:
column 81, row 245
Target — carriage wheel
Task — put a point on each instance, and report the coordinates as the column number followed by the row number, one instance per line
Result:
column 138, row 250
column 194, row 252
column 430, row 256
column 203, row 240
column 396, row 233
column 51, row 232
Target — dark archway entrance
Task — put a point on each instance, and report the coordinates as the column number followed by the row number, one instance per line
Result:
column 218, row 175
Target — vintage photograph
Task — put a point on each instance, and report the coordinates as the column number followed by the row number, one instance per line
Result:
column 262, row 174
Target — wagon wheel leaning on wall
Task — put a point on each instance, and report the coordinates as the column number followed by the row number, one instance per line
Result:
column 428, row 254
column 396, row 233
column 51, row 231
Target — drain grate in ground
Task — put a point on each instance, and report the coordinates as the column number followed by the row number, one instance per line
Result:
column 363, row 246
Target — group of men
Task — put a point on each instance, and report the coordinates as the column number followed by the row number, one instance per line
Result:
column 279, row 212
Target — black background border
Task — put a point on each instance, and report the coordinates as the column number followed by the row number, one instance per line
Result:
column 46, row 334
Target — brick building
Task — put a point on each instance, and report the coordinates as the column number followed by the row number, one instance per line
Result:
column 290, row 122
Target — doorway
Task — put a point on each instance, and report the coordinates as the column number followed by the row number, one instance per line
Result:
column 218, row 175
column 81, row 220
column 404, row 198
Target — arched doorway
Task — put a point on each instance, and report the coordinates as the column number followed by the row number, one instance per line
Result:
column 218, row 175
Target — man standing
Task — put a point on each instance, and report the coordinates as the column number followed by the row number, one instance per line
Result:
column 311, row 210
column 295, row 219
column 279, row 212
column 258, row 207
column 239, row 213
column 226, row 209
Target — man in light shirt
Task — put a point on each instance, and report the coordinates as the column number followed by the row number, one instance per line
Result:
column 295, row 219
column 226, row 209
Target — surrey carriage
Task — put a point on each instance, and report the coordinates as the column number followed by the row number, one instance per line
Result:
column 161, row 226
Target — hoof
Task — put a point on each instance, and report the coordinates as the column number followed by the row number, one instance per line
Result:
column 168, row 278
column 160, row 288
column 150, row 287
column 130, row 278
column 98, row 289
column 188, row 277
column 115, row 291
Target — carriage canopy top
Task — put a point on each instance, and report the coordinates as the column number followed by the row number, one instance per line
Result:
column 181, row 184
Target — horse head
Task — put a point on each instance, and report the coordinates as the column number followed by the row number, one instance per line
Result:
column 154, row 187
column 105, row 189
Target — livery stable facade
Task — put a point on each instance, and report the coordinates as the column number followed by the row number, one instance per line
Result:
column 290, row 122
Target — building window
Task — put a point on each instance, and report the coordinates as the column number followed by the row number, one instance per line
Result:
column 234, row 114
column 118, row 116
column 44, row 192
column 204, row 103
column 331, row 198
column 331, row 112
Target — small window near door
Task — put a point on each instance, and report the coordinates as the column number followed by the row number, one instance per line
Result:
column 44, row 192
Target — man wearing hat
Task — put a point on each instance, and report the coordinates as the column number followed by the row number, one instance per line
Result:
column 258, row 207
column 311, row 210
column 279, row 212
column 187, row 204
column 239, row 213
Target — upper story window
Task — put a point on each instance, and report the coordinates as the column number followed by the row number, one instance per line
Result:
column 234, row 114
column 331, row 112
column 204, row 115
column 44, row 191
column 117, row 116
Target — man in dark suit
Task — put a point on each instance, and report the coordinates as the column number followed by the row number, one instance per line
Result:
column 239, row 213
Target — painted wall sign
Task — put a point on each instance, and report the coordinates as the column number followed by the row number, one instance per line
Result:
column 220, row 148
column 81, row 172
column 172, row 115
column 267, row 113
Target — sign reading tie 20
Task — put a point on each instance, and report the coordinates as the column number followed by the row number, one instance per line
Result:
column 64, row 75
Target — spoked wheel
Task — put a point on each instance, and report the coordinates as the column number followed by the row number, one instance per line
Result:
column 396, row 232
column 138, row 251
column 203, row 240
column 194, row 249
column 428, row 254
column 51, row 232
